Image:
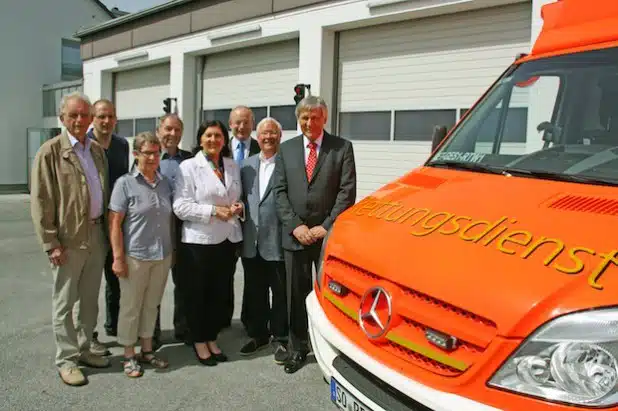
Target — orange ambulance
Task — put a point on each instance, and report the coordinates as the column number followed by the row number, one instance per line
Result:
column 487, row 279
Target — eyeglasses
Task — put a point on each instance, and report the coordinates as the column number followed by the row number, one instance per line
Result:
column 269, row 133
column 150, row 153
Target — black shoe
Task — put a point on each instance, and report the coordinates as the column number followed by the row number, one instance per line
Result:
column 281, row 353
column 209, row 362
column 219, row 357
column 253, row 346
column 295, row 362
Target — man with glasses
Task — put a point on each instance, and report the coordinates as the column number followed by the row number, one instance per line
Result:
column 68, row 205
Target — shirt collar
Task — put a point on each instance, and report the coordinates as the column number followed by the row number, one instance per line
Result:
column 267, row 160
column 136, row 173
column 236, row 141
column 318, row 141
column 165, row 155
column 74, row 141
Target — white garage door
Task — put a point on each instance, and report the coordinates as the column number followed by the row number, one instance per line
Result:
column 262, row 77
column 398, row 80
column 139, row 95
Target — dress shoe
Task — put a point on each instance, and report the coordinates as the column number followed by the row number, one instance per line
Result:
column 220, row 357
column 209, row 362
column 253, row 346
column 70, row 374
column 295, row 362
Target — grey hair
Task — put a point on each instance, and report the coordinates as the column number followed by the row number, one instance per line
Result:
column 75, row 95
column 310, row 103
column 171, row 115
column 268, row 120
column 143, row 138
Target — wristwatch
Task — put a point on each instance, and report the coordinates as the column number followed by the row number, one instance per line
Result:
column 213, row 211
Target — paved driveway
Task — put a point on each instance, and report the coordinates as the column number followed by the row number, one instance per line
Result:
column 27, row 375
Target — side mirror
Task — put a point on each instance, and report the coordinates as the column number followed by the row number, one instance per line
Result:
column 439, row 132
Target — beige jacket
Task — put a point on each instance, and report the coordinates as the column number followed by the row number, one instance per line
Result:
column 59, row 198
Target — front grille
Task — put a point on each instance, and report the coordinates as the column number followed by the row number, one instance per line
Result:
column 419, row 312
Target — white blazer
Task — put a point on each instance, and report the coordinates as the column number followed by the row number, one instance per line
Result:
column 197, row 191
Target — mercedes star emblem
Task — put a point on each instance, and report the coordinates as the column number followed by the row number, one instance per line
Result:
column 375, row 312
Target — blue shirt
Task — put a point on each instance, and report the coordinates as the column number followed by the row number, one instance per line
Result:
column 169, row 164
column 147, row 209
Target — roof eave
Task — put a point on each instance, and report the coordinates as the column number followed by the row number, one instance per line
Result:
column 118, row 21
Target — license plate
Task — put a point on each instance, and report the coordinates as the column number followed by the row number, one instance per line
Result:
column 343, row 399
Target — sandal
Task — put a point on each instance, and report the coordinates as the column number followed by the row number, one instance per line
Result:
column 148, row 357
column 132, row 368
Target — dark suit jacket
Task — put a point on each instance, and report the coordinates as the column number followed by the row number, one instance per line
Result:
column 184, row 154
column 331, row 190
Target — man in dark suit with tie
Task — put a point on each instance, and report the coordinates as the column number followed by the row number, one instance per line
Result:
column 261, row 251
column 242, row 145
column 314, row 182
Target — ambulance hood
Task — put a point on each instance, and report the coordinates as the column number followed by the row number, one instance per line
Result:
column 514, row 250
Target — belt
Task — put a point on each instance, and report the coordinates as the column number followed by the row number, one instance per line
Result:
column 98, row 220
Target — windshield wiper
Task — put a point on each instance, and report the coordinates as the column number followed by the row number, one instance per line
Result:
column 559, row 176
column 458, row 165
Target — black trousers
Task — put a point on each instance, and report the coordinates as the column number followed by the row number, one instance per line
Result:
column 112, row 296
column 208, row 271
column 180, row 287
column 299, row 268
column 261, row 278
column 229, row 302
column 180, row 298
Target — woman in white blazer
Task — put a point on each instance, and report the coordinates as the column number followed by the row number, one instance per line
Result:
column 206, row 198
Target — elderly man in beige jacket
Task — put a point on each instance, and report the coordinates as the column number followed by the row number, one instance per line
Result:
column 68, row 205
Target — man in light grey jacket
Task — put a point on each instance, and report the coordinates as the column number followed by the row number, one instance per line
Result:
column 262, row 252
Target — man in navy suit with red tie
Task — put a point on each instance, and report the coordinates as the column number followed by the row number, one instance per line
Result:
column 314, row 182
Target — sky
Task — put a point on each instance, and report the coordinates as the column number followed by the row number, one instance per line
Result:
column 132, row 5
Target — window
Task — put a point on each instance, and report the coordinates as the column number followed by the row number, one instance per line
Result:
column 49, row 103
column 285, row 115
column 124, row 128
column 258, row 113
column 366, row 125
column 222, row 115
column 145, row 124
column 418, row 125
column 71, row 60
column 514, row 125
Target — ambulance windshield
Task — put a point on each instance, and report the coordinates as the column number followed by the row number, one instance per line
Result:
column 553, row 118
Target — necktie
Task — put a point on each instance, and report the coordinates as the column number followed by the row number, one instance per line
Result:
column 312, row 160
column 240, row 152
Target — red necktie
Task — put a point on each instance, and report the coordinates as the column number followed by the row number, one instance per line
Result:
column 312, row 160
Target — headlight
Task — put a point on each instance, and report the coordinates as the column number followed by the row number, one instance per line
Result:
column 571, row 359
column 320, row 271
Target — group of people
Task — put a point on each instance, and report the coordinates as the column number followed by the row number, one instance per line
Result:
column 268, row 203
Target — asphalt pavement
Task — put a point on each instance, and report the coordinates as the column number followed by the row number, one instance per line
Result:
column 28, row 378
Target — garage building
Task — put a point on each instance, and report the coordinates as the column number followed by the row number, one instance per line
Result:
column 390, row 70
